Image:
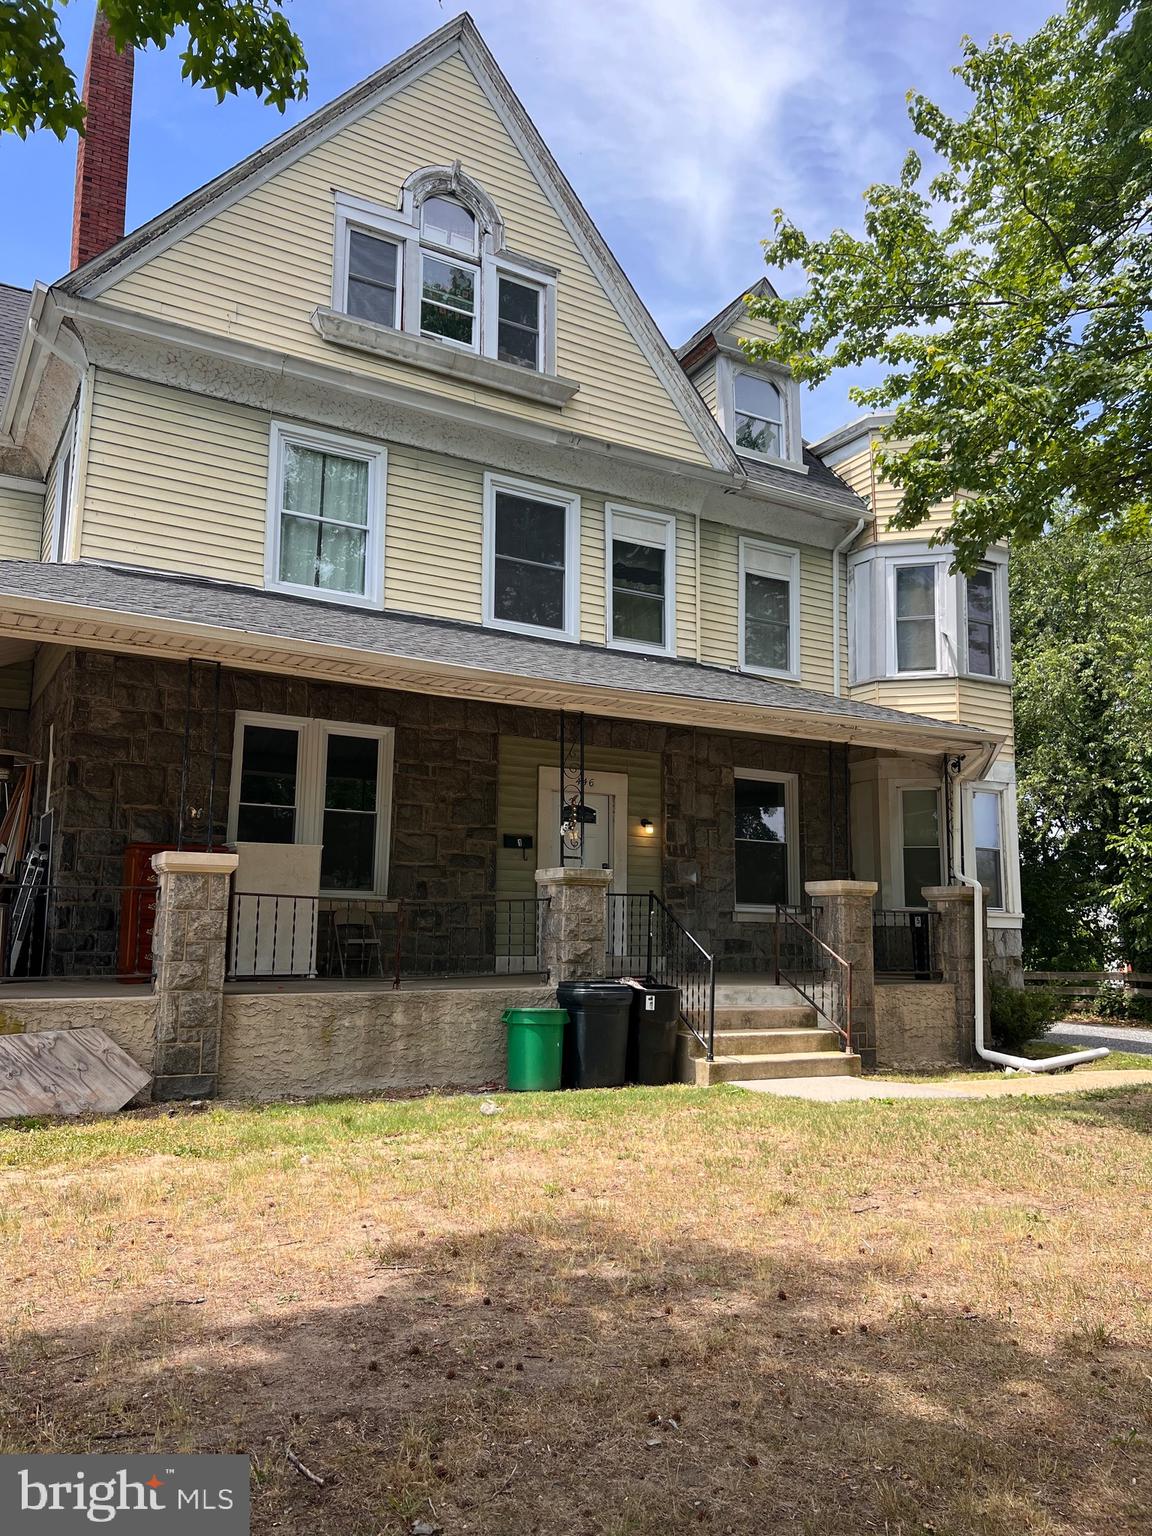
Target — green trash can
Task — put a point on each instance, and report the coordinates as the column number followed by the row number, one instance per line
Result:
column 535, row 1048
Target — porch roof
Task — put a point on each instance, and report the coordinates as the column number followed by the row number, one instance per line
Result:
column 145, row 613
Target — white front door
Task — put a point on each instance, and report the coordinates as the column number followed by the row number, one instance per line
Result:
column 597, row 834
column 605, row 839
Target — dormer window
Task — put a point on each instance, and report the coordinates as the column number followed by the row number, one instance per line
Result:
column 438, row 269
column 759, row 415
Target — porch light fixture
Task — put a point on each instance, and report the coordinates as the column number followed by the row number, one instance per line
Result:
column 646, row 826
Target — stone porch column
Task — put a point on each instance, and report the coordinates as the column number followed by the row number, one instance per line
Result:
column 843, row 920
column 954, row 937
column 574, row 931
column 188, row 956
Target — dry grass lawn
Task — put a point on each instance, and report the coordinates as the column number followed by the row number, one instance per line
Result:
column 620, row 1314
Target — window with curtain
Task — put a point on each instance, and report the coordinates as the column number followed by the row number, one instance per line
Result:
column 987, row 836
column 759, row 413
column 980, row 588
column 920, row 840
column 761, row 834
column 915, row 618
column 324, row 520
column 768, row 576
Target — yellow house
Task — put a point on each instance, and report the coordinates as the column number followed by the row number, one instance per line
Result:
column 355, row 513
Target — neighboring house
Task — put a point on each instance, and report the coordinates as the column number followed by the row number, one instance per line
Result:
column 375, row 428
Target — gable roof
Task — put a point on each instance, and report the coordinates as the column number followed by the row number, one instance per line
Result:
column 727, row 316
column 14, row 306
column 459, row 36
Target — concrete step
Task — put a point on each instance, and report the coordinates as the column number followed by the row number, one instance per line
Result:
column 798, row 1016
column 774, row 1042
column 756, row 994
column 735, row 1069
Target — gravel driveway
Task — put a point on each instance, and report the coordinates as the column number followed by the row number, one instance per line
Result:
column 1117, row 1038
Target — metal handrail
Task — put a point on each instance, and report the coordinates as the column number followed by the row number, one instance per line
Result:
column 675, row 957
column 831, row 998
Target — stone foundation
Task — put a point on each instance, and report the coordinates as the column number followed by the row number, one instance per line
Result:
column 1006, row 955
column 916, row 1027
column 129, row 1018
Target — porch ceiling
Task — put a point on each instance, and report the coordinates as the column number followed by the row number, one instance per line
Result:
column 106, row 608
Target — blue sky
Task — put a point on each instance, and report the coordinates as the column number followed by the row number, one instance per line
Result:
column 681, row 123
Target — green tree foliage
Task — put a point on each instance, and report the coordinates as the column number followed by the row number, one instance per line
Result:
column 232, row 45
column 1007, row 291
column 1082, row 647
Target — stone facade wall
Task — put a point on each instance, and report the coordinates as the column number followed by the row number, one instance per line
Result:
column 700, row 861
column 1006, row 955
column 916, row 1027
column 280, row 1045
column 119, row 724
column 128, row 1018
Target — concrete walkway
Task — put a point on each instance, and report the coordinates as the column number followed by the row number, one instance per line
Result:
column 982, row 1086
column 1117, row 1037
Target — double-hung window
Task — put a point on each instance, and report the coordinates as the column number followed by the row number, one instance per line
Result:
column 980, row 618
column 914, row 605
column 919, row 842
column 519, row 323
column 765, row 837
column 988, row 840
column 373, row 283
column 759, row 413
column 769, row 609
column 531, row 558
column 449, row 288
column 326, row 516
column 316, row 781
column 641, row 579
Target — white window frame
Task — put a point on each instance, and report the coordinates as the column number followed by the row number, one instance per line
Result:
column 64, row 470
column 998, row 570
column 284, row 433
column 792, row 671
column 665, row 522
column 472, row 264
column 905, row 563
column 570, row 501
column 791, row 783
column 404, row 228
column 896, row 822
column 727, row 368
column 311, row 767
column 1010, row 903
column 782, row 423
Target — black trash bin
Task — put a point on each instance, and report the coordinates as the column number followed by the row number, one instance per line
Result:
column 596, row 1040
column 652, row 1034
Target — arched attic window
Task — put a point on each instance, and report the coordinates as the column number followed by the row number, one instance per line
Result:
column 438, row 267
column 759, row 413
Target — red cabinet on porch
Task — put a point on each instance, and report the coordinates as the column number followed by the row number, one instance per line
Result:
column 138, row 909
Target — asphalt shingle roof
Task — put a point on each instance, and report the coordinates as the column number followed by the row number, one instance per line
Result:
column 14, row 304
column 819, row 481
column 255, row 613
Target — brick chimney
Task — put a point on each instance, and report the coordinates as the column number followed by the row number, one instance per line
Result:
column 102, row 158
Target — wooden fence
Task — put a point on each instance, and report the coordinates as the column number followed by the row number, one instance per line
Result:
column 1084, row 985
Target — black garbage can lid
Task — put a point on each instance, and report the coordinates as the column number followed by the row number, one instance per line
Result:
column 608, row 991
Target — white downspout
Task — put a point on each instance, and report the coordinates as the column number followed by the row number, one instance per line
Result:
column 844, row 544
column 1016, row 1063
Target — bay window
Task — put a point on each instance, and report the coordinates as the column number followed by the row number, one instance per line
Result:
column 325, row 515
column 641, row 579
column 531, row 558
column 915, row 616
column 316, row 781
column 988, row 840
column 980, row 619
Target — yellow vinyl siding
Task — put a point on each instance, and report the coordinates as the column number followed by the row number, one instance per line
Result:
column 21, row 524
column 257, row 269
column 434, row 536
column 16, row 684
column 745, row 328
column 51, row 491
column 987, row 705
column 720, row 605
column 686, row 586
column 593, row 572
column 857, row 471
column 176, row 482
column 884, row 498
column 521, row 759
column 705, row 382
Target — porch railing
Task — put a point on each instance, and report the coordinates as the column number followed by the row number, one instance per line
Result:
column 903, row 944
column 645, row 939
column 815, row 970
column 331, row 938
column 77, row 930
